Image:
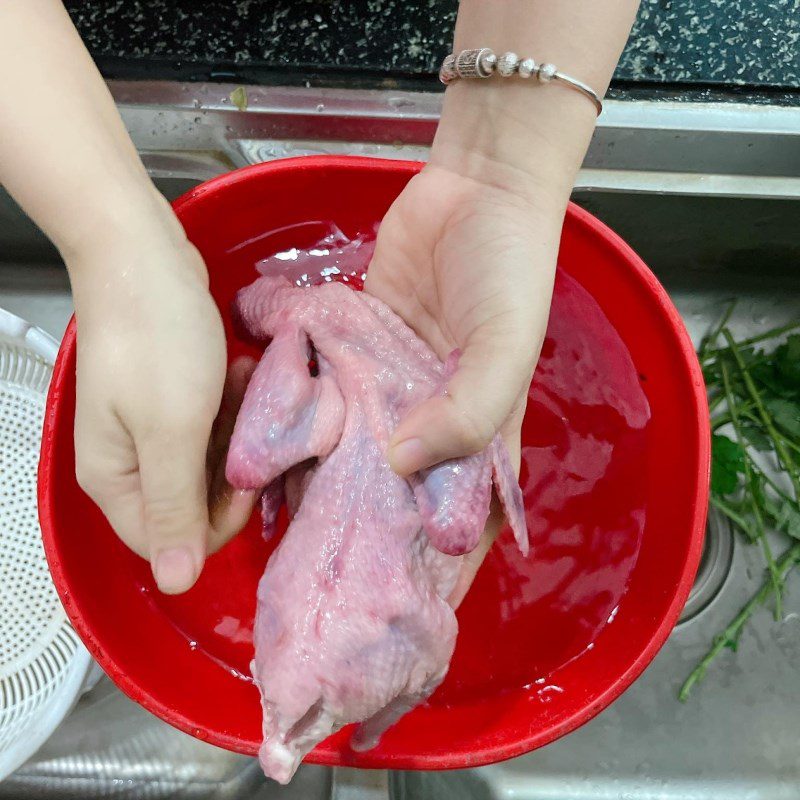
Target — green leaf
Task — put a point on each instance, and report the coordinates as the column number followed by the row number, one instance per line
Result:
column 727, row 463
column 755, row 436
column 770, row 381
column 787, row 362
column 758, row 486
column 732, row 640
column 772, row 510
column 239, row 98
column 783, row 515
column 711, row 374
column 790, row 520
column 748, row 354
column 785, row 414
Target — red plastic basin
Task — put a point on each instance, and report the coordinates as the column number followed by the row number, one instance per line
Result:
column 615, row 475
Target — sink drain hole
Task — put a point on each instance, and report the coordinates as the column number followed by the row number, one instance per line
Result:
column 715, row 565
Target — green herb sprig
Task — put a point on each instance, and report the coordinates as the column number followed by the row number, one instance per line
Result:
column 754, row 399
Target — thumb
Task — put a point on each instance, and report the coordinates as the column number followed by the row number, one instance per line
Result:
column 173, row 479
column 494, row 371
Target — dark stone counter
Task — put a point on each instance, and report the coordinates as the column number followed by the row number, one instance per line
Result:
column 688, row 43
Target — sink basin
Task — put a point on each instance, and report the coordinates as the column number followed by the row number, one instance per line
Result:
column 714, row 226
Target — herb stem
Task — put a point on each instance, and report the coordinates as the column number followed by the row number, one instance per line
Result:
column 709, row 340
column 753, row 495
column 710, row 352
column 725, row 417
column 789, row 443
column 766, row 419
column 770, row 334
column 785, row 563
column 715, row 403
column 733, row 516
column 766, row 478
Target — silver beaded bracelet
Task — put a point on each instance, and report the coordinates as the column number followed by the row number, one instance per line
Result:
column 483, row 63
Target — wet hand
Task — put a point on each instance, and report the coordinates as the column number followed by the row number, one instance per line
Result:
column 468, row 264
column 151, row 378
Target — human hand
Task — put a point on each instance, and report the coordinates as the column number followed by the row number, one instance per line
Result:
column 457, row 259
column 463, row 263
column 150, row 379
column 466, row 256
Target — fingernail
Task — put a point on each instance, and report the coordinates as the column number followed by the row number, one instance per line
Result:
column 408, row 456
column 175, row 569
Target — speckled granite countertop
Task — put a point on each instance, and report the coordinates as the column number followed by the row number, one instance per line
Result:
column 683, row 42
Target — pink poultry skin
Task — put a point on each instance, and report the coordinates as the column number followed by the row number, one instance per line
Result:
column 353, row 623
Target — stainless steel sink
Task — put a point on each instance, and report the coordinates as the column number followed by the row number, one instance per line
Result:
column 710, row 197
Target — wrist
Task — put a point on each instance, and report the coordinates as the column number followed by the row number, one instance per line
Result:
column 529, row 139
column 131, row 258
column 127, row 217
column 134, row 237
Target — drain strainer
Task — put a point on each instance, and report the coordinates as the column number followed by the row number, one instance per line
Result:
column 715, row 565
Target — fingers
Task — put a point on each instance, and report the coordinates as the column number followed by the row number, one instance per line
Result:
column 492, row 375
column 122, row 507
column 229, row 508
column 106, row 468
column 154, row 498
column 153, row 486
column 172, row 468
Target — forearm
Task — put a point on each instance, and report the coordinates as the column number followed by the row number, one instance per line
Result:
column 530, row 132
column 64, row 152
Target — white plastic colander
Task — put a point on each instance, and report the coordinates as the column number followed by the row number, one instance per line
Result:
column 43, row 665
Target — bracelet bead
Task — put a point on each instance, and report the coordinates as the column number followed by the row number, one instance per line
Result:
column 472, row 63
column 546, row 72
column 488, row 62
column 447, row 72
column 507, row 64
column 527, row 67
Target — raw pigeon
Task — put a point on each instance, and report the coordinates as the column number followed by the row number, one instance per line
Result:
column 353, row 623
